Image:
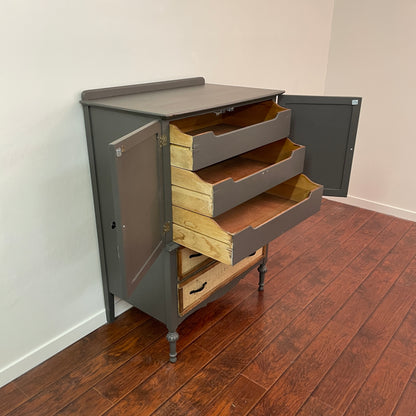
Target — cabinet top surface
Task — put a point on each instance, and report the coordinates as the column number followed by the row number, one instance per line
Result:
column 172, row 99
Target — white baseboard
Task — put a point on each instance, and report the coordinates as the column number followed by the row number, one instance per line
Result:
column 53, row 346
column 376, row 206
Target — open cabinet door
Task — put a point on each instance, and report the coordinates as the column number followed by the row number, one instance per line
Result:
column 327, row 126
column 136, row 169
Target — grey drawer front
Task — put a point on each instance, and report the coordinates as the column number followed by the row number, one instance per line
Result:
column 231, row 194
column 207, row 148
column 250, row 239
column 255, row 171
column 239, row 232
column 210, row 149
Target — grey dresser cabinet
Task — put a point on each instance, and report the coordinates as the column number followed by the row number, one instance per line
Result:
column 191, row 181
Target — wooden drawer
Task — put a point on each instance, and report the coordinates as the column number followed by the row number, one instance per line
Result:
column 200, row 141
column 218, row 188
column 191, row 262
column 232, row 236
column 196, row 289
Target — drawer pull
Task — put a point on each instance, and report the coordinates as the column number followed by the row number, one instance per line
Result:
column 195, row 255
column 198, row 290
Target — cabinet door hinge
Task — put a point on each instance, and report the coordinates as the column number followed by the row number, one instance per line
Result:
column 120, row 151
column 166, row 227
column 163, row 140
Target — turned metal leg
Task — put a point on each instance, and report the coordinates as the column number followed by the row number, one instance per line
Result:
column 262, row 271
column 172, row 338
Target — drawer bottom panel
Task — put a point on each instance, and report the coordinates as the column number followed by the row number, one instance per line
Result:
column 196, row 289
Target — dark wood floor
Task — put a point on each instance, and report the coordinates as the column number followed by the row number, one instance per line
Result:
column 333, row 334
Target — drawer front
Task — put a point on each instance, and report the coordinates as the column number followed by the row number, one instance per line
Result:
column 190, row 262
column 201, row 141
column 199, row 287
column 218, row 188
column 232, row 236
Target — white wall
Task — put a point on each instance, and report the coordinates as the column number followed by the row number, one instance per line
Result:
column 51, row 50
column 373, row 55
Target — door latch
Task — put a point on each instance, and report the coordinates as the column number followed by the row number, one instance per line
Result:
column 224, row 110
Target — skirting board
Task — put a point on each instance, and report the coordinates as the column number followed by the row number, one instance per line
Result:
column 57, row 344
column 376, row 206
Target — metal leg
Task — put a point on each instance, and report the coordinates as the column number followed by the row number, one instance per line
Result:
column 262, row 271
column 172, row 338
column 109, row 306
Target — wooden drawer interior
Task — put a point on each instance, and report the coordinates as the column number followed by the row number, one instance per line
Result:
column 220, row 187
column 233, row 235
column 203, row 140
column 191, row 262
column 199, row 287
column 223, row 122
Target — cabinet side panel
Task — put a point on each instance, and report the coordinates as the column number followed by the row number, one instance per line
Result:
column 107, row 125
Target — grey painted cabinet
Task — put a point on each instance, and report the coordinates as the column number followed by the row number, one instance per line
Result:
column 191, row 181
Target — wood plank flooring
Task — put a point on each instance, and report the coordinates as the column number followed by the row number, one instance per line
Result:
column 334, row 333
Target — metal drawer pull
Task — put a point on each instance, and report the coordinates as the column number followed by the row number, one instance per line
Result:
column 198, row 290
column 195, row 255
